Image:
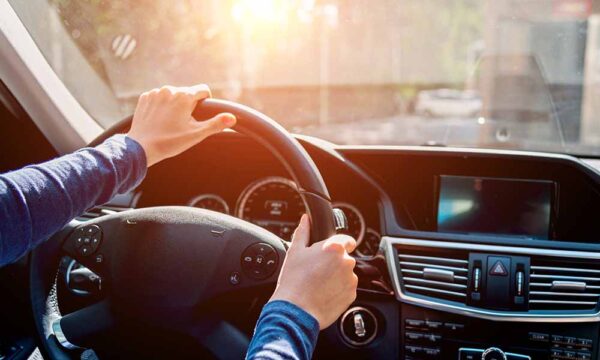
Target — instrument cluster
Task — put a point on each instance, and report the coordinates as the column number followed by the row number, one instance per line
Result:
column 275, row 204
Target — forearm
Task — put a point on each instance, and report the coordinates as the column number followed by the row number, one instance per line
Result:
column 39, row 200
column 283, row 331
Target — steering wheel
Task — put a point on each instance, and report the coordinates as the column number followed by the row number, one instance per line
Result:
column 167, row 269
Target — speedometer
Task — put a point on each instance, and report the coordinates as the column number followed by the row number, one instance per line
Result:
column 356, row 222
column 273, row 203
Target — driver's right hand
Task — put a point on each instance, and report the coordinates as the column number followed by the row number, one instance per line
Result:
column 318, row 278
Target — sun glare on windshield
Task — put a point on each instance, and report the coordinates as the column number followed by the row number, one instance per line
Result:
column 492, row 73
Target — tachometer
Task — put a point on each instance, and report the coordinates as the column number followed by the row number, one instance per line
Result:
column 356, row 221
column 273, row 203
column 210, row 202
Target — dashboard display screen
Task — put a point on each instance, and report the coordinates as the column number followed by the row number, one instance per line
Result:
column 495, row 206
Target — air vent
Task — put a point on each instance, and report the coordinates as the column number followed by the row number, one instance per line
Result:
column 433, row 274
column 100, row 211
column 563, row 284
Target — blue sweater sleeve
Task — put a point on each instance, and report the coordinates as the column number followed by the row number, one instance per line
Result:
column 38, row 200
column 283, row 331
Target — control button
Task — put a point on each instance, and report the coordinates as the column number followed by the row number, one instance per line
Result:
column 569, row 354
column 476, row 279
column 85, row 250
column 78, row 241
column 431, row 351
column 557, row 339
column 414, row 322
column 493, row 354
column 432, row 338
column 99, row 259
column 570, row 340
column 534, row 336
column 498, row 269
column 433, row 324
column 584, row 355
column 556, row 353
column 413, row 335
column 259, row 261
column 234, row 278
column 454, row 326
column 585, row 342
column 413, row 350
column 520, row 280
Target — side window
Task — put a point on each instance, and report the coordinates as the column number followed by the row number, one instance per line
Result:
column 21, row 142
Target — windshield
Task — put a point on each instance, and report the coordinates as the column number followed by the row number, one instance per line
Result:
column 497, row 73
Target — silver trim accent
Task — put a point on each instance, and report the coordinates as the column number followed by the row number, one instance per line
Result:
column 387, row 246
column 568, row 285
column 438, row 274
column 366, row 341
column 60, row 336
column 193, row 201
column 363, row 225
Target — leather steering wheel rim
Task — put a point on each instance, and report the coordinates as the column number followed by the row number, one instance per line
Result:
column 44, row 259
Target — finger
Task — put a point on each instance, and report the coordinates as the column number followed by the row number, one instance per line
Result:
column 216, row 124
column 301, row 235
column 199, row 92
column 347, row 242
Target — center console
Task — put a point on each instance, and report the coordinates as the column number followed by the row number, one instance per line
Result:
column 428, row 334
column 476, row 301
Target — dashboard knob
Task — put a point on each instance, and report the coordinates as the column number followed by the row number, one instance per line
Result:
column 493, row 354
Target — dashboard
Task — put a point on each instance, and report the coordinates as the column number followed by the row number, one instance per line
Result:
column 468, row 254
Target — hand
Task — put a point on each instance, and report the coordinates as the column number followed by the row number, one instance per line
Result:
column 163, row 122
column 318, row 278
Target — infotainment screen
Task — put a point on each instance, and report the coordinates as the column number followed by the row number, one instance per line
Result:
column 495, row 206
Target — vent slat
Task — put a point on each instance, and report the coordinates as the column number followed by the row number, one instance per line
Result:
column 564, row 302
column 563, row 269
column 563, row 277
column 436, row 291
column 434, row 259
column 435, row 283
column 422, row 265
column 551, row 293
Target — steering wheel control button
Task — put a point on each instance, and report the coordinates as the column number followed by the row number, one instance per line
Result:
column 259, row 261
column 234, row 278
column 85, row 250
column 358, row 327
column 86, row 240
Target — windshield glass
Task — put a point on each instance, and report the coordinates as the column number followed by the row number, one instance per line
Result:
column 497, row 73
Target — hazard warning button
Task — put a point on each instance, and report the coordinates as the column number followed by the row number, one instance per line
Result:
column 498, row 269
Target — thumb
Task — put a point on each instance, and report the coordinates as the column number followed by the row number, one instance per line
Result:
column 301, row 236
column 216, row 124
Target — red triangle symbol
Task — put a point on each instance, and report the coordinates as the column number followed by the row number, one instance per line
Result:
column 498, row 269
